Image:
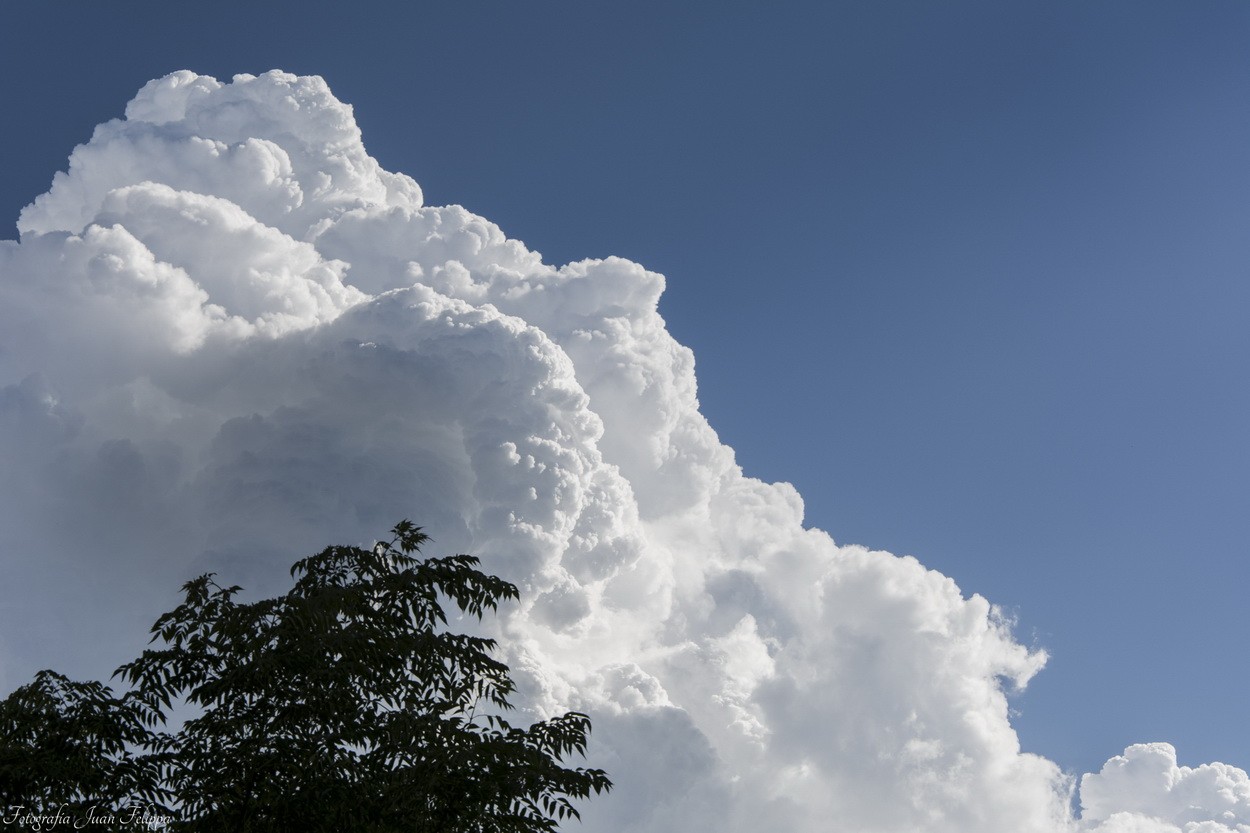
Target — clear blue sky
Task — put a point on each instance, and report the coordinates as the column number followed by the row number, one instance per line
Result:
column 971, row 275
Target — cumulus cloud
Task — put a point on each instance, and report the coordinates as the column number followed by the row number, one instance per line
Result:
column 1146, row 790
column 228, row 337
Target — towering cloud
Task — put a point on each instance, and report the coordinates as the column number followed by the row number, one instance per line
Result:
column 228, row 337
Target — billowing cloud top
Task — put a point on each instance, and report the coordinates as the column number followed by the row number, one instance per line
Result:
column 228, row 337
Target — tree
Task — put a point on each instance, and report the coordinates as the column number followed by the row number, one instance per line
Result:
column 345, row 704
column 66, row 746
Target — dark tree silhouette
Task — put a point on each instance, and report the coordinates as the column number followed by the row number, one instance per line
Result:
column 343, row 705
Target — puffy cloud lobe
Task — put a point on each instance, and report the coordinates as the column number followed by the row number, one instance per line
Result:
column 250, row 270
column 281, row 147
column 228, row 337
column 1145, row 789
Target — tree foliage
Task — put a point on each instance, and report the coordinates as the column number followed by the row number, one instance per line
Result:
column 345, row 704
column 68, row 745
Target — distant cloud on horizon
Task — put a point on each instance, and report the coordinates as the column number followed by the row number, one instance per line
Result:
column 229, row 338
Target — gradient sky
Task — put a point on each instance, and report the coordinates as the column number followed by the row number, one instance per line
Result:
column 970, row 275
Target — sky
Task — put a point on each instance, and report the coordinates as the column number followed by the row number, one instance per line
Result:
column 970, row 277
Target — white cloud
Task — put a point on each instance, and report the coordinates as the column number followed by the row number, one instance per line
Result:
column 282, row 148
column 1146, row 790
column 227, row 338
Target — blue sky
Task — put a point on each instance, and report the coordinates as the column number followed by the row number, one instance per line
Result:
column 971, row 276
